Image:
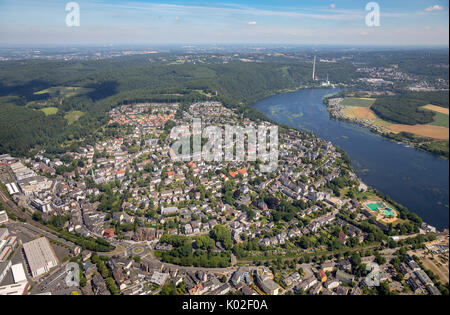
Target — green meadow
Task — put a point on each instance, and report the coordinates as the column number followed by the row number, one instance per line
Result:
column 49, row 110
column 361, row 102
column 73, row 116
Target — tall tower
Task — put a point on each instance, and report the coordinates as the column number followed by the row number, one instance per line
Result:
column 314, row 69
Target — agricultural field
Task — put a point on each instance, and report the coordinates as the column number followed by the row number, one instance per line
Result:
column 73, row 116
column 381, row 123
column 359, row 102
column 438, row 109
column 49, row 110
column 428, row 131
column 440, row 115
column 358, row 112
column 440, row 120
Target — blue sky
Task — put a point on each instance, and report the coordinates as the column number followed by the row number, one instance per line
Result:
column 318, row 22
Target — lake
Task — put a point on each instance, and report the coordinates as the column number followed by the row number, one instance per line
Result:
column 414, row 178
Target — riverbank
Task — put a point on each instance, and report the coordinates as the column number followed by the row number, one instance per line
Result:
column 411, row 177
column 376, row 125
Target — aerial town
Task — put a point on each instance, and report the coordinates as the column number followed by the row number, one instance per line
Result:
column 124, row 216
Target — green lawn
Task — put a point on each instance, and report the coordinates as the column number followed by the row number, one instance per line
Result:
column 361, row 102
column 73, row 116
column 49, row 110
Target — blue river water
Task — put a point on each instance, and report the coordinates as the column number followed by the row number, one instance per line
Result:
column 415, row 179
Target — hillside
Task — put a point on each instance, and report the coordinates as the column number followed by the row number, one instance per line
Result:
column 91, row 88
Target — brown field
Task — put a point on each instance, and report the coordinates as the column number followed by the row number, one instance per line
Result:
column 428, row 131
column 438, row 267
column 358, row 112
column 435, row 108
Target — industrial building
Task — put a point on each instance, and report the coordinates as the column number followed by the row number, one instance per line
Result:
column 7, row 244
column 12, row 188
column 40, row 256
column 20, row 285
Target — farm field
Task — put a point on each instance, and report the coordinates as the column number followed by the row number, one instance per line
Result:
column 441, row 115
column 440, row 120
column 438, row 109
column 428, row 131
column 49, row 110
column 360, row 102
column 359, row 112
column 73, row 116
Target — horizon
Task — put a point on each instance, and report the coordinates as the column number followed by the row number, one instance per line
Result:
column 222, row 45
column 418, row 23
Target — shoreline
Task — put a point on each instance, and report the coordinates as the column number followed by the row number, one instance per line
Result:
column 335, row 113
column 385, row 197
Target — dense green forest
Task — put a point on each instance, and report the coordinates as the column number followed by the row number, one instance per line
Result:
column 94, row 87
column 404, row 108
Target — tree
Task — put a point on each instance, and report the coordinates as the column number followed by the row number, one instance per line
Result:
column 221, row 234
column 37, row 216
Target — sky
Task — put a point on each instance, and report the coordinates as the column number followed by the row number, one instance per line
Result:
column 150, row 22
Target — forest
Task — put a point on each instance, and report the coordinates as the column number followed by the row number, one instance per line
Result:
column 94, row 87
column 404, row 108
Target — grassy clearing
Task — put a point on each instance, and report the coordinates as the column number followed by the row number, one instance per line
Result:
column 49, row 110
column 360, row 102
column 65, row 91
column 440, row 120
column 73, row 116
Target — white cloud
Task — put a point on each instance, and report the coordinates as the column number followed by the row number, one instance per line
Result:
column 434, row 8
column 252, row 23
column 332, row 6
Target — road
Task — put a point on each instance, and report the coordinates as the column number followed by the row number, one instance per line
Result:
column 41, row 231
column 30, row 223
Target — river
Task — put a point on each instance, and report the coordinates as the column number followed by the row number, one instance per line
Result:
column 416, row 179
